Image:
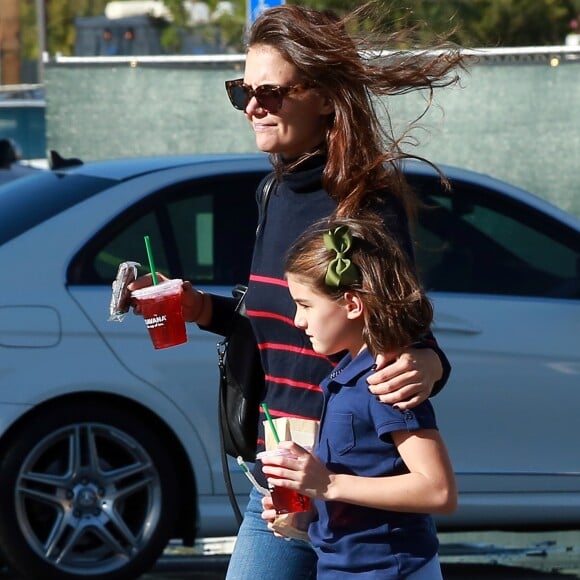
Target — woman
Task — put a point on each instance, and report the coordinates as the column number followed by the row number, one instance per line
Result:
column 307, row 94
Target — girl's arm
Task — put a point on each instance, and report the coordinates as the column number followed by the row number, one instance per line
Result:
column 429, row 487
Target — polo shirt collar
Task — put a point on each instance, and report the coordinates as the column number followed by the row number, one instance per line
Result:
column 351, row 369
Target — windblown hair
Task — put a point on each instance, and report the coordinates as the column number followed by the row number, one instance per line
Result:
column 352, row 70
column 397, row 312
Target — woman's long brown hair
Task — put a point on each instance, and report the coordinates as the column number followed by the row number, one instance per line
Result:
column 353, row 70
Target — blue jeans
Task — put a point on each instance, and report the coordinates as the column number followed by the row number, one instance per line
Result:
column 258, row 554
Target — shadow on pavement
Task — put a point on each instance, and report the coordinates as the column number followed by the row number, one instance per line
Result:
column 214, row 568
column 481, row 572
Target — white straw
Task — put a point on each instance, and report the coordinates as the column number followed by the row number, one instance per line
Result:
column 252, row 479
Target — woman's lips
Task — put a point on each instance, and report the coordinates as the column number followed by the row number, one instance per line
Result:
column 258, row 127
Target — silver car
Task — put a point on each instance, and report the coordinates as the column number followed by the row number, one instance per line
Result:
column 108, row 448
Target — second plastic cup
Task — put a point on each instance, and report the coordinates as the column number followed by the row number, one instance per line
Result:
column 286, row 501
column 161, row 308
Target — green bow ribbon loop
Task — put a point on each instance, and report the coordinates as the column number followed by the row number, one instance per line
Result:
column 341, row 271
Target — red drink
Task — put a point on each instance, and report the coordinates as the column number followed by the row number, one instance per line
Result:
column 287, row 501
column 161, row 308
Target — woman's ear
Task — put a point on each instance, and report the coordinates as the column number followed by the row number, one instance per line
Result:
column 327, row 106
column 354, row 305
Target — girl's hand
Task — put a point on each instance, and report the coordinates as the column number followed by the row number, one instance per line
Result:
column 300, row 471
column 406, row 380
column 269, row 513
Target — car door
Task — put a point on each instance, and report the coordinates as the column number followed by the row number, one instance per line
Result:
column 505, row 282
column 202, row 230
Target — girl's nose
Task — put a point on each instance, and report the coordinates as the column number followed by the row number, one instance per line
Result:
column 299, row 322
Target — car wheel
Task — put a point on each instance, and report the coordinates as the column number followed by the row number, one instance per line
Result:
column 87, row 491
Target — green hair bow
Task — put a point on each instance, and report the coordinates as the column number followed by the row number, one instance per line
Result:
column 341, row 271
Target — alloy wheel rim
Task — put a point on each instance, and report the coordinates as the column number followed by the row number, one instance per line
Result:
column 88, row 496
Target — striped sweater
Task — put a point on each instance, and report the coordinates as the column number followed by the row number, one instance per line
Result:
column 293, row 370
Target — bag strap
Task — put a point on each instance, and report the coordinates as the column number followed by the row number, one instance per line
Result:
column 262, row 198
column 239, row 292
column 228, row 480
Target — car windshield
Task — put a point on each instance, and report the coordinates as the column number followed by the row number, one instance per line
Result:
column 29, row 201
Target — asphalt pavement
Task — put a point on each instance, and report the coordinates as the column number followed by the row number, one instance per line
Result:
column 464, row 556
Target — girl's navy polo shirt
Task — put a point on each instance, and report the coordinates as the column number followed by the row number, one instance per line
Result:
column 355, row 439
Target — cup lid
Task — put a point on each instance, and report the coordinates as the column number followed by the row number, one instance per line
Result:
column 274, row 453
column 166, row 287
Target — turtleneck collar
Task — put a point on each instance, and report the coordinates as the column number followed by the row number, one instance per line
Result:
column 307, row 175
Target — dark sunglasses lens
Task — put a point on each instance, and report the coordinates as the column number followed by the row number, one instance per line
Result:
column 269, row 98
column 239, row 96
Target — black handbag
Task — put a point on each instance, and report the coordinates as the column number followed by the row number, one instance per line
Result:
column 241, row 385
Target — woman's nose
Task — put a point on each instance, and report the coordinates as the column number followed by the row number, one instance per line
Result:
column 253, row 107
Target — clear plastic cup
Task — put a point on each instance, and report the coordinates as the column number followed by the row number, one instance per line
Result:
column 161, row 308
column 286, row 501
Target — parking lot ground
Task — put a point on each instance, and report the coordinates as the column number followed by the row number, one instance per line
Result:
column 464, row 556
column 216, row 569
column 511, row 554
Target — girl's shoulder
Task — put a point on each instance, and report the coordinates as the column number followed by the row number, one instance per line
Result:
column 422, row 416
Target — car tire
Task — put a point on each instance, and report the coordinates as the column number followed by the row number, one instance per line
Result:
column 88, row 491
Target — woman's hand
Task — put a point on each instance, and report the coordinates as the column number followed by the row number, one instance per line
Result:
column 408, row 379
column 142, row 282
column 195, row 305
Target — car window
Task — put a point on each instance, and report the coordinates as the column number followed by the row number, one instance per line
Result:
column 31, row 200
column 200, row 230
column 476, row 241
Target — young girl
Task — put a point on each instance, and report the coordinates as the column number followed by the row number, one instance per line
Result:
column 376, row 471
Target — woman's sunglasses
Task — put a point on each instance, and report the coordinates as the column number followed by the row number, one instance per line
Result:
column 269, row 97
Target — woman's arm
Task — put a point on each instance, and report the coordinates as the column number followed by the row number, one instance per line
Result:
column 429, row 487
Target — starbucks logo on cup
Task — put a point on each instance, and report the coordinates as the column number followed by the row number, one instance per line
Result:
column 156, row 321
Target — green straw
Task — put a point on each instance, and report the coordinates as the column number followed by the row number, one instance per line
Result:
column 151, row 262
column 272, row 426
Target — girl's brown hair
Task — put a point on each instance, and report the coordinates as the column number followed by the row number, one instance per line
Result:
column 397, row 311
column 352, row 70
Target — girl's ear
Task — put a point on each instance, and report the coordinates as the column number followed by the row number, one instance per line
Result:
column 354, row 305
